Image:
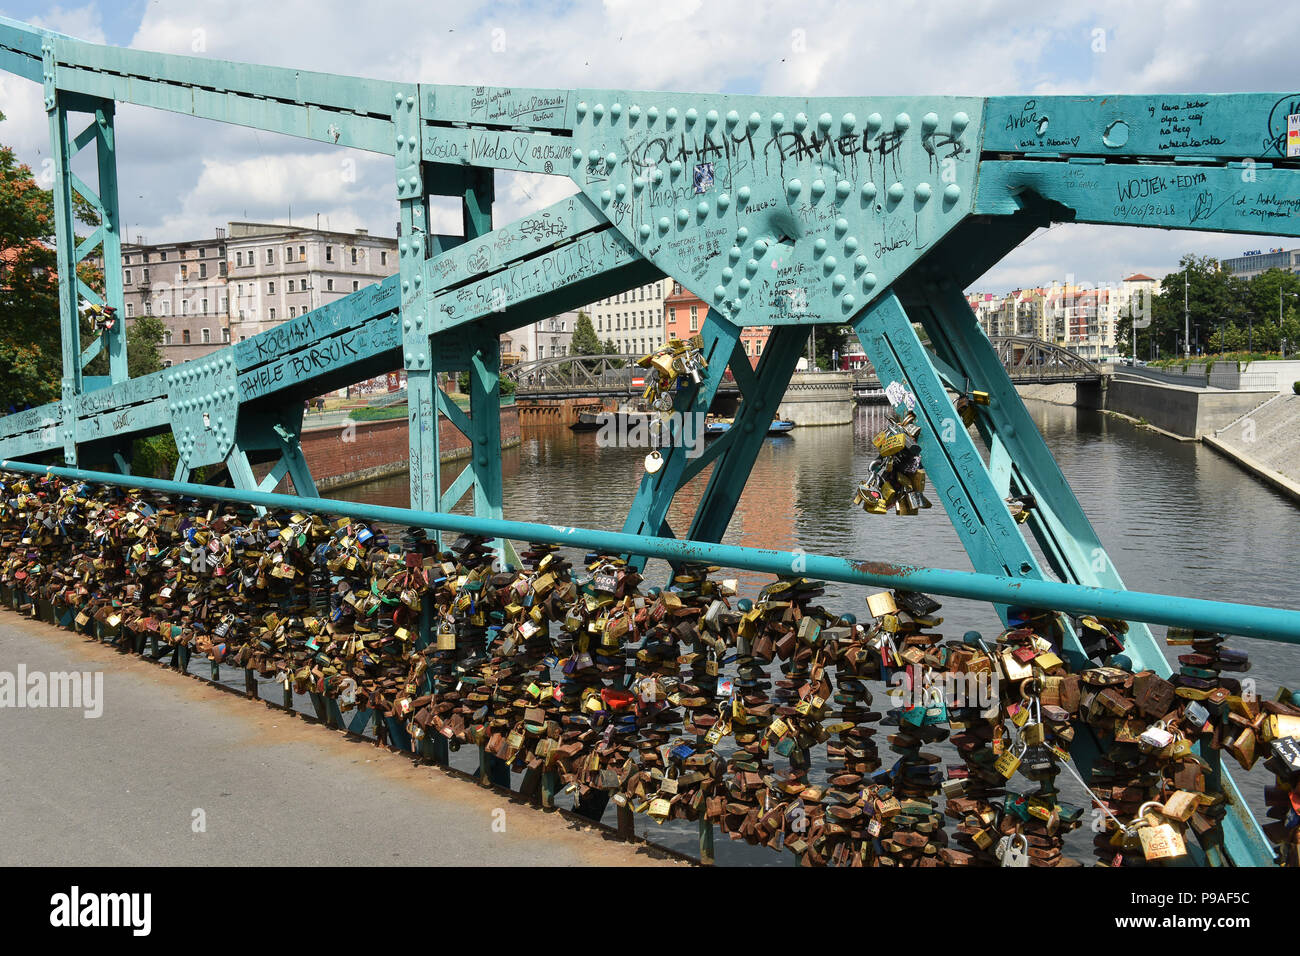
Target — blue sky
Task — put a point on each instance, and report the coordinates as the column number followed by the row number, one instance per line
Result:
column 181, row 178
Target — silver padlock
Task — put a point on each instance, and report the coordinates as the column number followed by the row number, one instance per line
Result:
column 1156, row 737
column 1010, row 854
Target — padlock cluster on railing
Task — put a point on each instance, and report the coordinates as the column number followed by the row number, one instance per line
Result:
column 754, row 716
column 678, row 359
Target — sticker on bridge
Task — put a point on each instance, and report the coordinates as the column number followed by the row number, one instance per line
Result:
column 899, row 394
column 1293, row 135
column 703, row 177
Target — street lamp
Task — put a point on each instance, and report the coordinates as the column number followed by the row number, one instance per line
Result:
column 1250, row 325
column 1280, row 294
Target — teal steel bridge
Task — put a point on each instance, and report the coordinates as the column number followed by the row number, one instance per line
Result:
column 873, row 212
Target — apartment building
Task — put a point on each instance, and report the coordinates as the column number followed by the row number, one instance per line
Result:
column 247, row 278
column 184, row 285
column 684, row 314
column 281, row 272
column 1082, row 318
column 633, row 320
column 548, row 338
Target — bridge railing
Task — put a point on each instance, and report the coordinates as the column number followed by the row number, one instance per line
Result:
column 1274, row 624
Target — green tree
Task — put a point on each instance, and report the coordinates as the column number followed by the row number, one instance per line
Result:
column 1215, row 298
column 29, row 292
column 585, row 341
column 828, row 341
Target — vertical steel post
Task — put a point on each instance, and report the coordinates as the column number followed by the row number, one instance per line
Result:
column 111, row 236
column 65, row 251
column 649, row 511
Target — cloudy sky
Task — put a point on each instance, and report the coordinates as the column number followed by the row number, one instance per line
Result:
column 181, row 177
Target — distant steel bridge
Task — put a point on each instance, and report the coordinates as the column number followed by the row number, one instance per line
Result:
column 1026, row 360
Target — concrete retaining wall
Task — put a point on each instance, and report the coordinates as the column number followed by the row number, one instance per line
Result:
column 339, row 457
column 818, row 398
column 1061, row 393
column 1188, row 412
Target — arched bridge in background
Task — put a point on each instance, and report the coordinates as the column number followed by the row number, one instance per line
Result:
column 1026, row 360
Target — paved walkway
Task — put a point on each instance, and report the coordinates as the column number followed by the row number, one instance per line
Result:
column 121, row 789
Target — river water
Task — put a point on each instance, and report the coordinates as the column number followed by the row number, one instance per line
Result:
column 1176, row 518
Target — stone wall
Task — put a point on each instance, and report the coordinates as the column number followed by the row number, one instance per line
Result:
column 1186, row 412
column 377, row 449
column 818, row 398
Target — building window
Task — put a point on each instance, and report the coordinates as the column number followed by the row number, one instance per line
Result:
column 272, row 315
column 130, row 310
column 145, row 278
column 221, row 267
column 167, row 336
column 354, row 255
column 290, row 285
column 355, row 285
column 185, row 337
column 225, row 305
column 329, row 285
column 126, row 276
column 205, row 335
column 383, row 258
column 288, row 253
column 205, row 306
column 225, row 335
column 203, row 253
column 270, row 257
column 239, row 259
column 185, row 307
column 293, row 311
column 162, row 256
column 302, row 253
column 185, row 272
column 329, row 253
column 148, row 307
column 695, row 318
column 270, row 288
